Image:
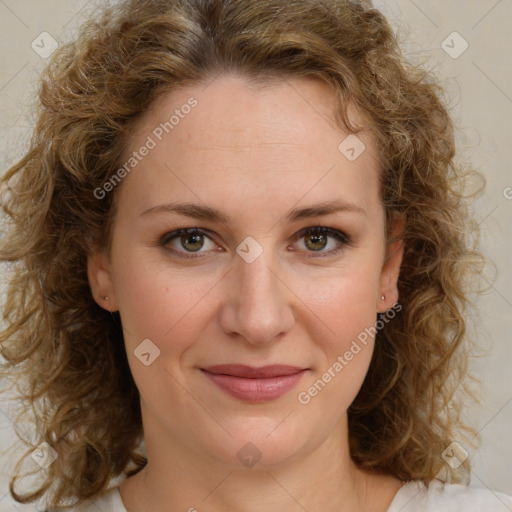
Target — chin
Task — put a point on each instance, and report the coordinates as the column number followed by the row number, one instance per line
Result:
column 263, row 443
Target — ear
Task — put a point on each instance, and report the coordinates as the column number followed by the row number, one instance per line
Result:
column 100, row 280
column 391, row 267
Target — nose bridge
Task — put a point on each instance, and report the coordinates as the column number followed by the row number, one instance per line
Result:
column 258, row 305
column 259, row 279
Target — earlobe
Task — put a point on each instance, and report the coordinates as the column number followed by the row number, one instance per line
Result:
column 391, row 268
column 100, row 280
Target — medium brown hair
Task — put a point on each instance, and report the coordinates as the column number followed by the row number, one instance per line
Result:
column 69, row 352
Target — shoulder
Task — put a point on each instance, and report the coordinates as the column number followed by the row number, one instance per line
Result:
column 108, row 501
column 437, row 496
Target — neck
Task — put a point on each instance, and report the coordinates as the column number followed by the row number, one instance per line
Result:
column 322, row 478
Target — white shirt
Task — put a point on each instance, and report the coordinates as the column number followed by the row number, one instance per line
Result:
column 416, row 497
column 412, row 497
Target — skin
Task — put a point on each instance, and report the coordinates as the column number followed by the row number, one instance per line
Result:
column 254, row 153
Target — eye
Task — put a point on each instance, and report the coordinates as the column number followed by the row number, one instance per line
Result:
column 191, row 240
column 317, row 238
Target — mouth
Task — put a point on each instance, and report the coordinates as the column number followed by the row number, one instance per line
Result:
column 254, row 384
column 250, row 372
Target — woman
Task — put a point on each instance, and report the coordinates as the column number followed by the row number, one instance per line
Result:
column 241, row 245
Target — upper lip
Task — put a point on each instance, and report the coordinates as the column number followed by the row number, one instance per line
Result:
column 251, row 372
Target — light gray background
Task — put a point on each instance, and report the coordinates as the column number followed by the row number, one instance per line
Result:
column 479, row 91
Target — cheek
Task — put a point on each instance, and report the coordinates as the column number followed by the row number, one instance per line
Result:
column 342, row 326
column 345, row 312
column 157, row 303
column 166, row 308
column 345, row 301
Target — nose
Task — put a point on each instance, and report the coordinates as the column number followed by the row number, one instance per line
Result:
column 257, row 305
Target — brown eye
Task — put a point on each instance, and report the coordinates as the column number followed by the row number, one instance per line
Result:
column 316, row 242
column 316, row 239
column 192, row 242
column 183, row 241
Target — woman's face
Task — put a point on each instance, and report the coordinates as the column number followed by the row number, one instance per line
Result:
column 254, row 288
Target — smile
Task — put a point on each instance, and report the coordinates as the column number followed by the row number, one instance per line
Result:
column 254, row 384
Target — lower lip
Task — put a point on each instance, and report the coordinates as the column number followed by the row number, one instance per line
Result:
column 255, row 390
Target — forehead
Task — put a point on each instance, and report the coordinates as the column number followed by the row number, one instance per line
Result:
column 266, row 139
column 244, row 112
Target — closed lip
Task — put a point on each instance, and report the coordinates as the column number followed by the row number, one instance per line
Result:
column 251, row 372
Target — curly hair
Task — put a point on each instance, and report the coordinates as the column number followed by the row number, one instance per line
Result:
column 68, row 354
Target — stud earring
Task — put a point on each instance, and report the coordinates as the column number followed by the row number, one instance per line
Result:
column 383, row 297
column 104, row 297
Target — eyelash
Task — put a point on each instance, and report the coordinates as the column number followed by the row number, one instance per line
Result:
column 334, row 233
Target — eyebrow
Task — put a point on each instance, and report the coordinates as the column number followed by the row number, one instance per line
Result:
column 201, row 212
